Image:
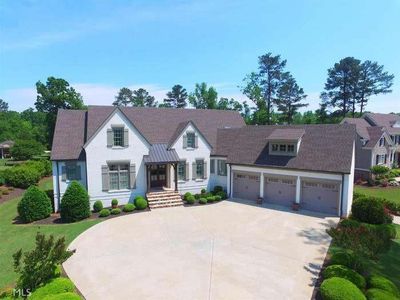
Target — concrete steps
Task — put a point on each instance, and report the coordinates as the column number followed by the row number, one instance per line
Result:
column 164, row 199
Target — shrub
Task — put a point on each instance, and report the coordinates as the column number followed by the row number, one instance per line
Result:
column 377, row 294
column 22, row 176
column 186, row 195
column 197, row 196
column 26, row 149
column 43, row 259
column 75, row 204
column 346, row 273
column 63, row 296
column 349, row 259
column 336, row 288
column 190, row 199
column 140, row 203
column 42, row 166
column 217, row 198
column 114, row 202
column 129, row 207
column 203, row 201
column 210, row 199
column 369, row 210
column 104, row 213
column 54, row 287
column 218, row 188
column 203, row 191
column 115, row 211
column 98, row 206
column 382, row 283
column 222, row 194
column 379, row 170
column 2, row 180
column 34, row 205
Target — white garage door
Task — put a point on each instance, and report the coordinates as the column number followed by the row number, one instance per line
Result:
column 246, row 185
column 281, row 191
column 320, row 196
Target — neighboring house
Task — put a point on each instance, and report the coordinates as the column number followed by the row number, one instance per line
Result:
column 124, row 152
column 5, row 149
column 378, row 142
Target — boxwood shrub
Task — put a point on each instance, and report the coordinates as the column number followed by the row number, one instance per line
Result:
column 186, row 195
column 218, row 188
column 104, row 213
column 114, row 202
column 129, row 207
column 203, row 201
column 346, row 273
column 190, row 199
column 377, row 294
column 222, row 194
column 203, row 191
column 217, row 198
column 97, row 206
column 140, row 202
column 382, row 283
column 56, row 286
column 336, row 288
column 348, row 259
column 34, row 205
column 75, row 204
column 369, row 210
column 115, row 211
column 197, row 196
column 210, row 199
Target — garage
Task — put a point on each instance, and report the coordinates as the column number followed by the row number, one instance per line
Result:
column 246, row 185
column 280, row 190
column 320, row 196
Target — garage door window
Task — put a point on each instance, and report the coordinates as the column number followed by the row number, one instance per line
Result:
column 329, row 186
column 240, row 176
column 310, row 184
column 273, row 180
column 287, row 181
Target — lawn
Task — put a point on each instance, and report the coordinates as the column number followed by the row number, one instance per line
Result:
column 13, row 237
column 388, row 264
column 390, row 193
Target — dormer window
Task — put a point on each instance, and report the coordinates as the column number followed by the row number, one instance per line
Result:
column 275, row 147
column 283, row 148
column 290, row 148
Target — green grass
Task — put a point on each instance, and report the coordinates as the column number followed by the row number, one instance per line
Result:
column 390, row 193
column 46, row 184
column 13, row 237
column 388, row 263
column 2, row 164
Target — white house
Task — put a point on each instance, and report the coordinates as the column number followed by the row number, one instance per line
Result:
column 123, row 152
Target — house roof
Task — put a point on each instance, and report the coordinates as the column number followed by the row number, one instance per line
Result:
column 7, row 144
column 286, row 134
column 386, row 120
column 159, row 153
column 323, row 147
column 374, row 133
column 157, row 125
column 361, row 126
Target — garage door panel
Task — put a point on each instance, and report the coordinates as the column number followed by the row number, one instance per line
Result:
column 320, row 196
column 246, row 185
column 281, row 191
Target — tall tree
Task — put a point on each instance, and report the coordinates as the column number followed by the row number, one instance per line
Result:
column 372, row 81
column 229, row 104
column 265, row 84
column 141, row 98
column 124, row 97
column 177, row 97
column 322, row 114
column 56, row 94
column 37, row 120
column 203, row 97
column 3, row 105
column 289, row 97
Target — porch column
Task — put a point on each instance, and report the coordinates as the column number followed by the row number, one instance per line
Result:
column 298, row 188
column 261, row 185
column 176, row 176
column 147, row 179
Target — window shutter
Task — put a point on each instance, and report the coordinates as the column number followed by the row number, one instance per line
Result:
column 105, row 178
column 132, row 176
column 205, row 171
column 385, row 158
column 63, row 173
column 109, row 137
column 377, row 160
column 184, row 142
column 194, row 171
column 187, row 172
column 78, row 172
column 126, row 137
column 196, row 141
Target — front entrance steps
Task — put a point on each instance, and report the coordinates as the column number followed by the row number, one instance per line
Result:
column 164, row 199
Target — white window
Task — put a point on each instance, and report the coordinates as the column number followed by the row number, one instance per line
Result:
column 190, row 140
column 382, row 142
column 182, row 170
column 221, row 167
column 72, row 171
column 290, row 148
column 380, row 159
column 282, row 148
column 275, row 147
column 212, row 166
column 118, row 135
column 119, row 176
column 199, row 169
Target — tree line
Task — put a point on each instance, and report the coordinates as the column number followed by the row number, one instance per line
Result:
column 275, row 95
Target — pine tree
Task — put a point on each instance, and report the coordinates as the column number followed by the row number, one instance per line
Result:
column 177, row 97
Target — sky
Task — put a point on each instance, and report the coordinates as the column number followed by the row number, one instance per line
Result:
column 100, row 46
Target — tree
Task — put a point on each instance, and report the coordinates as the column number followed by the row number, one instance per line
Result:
column 75, row 203
column 34, row 205
column 322, row 114
column 3, row 105
column 142, row 98
column 203, row 97
column 289, row 97
column 372, row 81
column 176, row 97
column 26, row 149
column 262, row 87
column 37, row 119
column 56, row 94
column 124, row 97
column 229, row 104
column 38, row 266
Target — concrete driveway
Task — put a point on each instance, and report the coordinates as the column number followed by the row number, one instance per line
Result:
column 228, row 250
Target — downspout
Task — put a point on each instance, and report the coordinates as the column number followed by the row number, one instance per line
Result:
column 58, row 186
column 341, row 197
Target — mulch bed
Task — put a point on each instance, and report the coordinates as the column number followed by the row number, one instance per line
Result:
column 16, row 192
column 196, row 203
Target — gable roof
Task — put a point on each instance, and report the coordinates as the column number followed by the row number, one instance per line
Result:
column 159, row 153
column 157, row 125
column 323, row 148
column 386, row 120
column 361, row 126
column 181, row 127
column 286, row 134
column 374, row 133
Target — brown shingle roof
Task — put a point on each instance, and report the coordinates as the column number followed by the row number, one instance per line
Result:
column 374, row 133
column 286, row 134
column 323, row 147
column 361, row 126
column 386, row 120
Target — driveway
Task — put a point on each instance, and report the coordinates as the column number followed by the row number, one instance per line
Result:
column 227, row 250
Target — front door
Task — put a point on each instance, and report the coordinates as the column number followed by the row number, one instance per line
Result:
column 158, row 176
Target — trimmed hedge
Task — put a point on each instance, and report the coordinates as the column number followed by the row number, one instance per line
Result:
column 344, row 258
column 104, row 213
column 22, row 176
column 218, row 188
column 63, row 296
column 190, row 199
column 346, row 273
column 382, row 283
column 210, row 199
column 186, row 195
column 56, row 286
column 197, row 196
column 114, row 202
column 369, row 210
column 377, row 294
column 75, row 204
column 217, row 198
column 115, row 211
column 203, row 201
column 42, row 166
column 140, row 202
column 129, row 207
column 97, row 206
column 336, row 288
column 34, row 205
column 203, row 191
column 222, row 194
